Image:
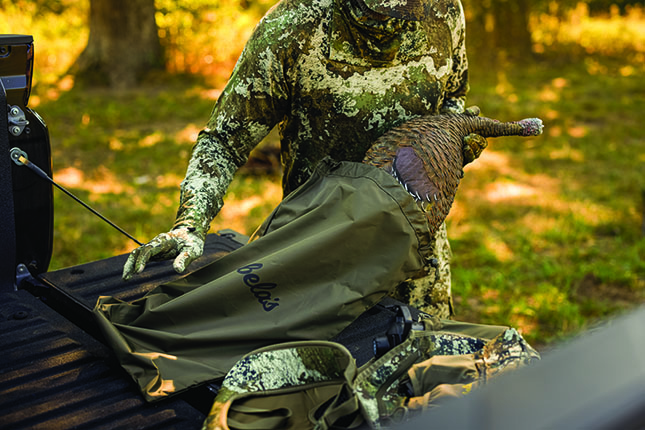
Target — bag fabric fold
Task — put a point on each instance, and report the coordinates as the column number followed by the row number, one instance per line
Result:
column 331, row 250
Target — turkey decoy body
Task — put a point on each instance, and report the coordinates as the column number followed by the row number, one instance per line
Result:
column 425, row 154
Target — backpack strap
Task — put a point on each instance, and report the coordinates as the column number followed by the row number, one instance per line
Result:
column 263, row 419
column 344, row 412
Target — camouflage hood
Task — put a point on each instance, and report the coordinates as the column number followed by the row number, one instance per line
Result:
column 413, row 10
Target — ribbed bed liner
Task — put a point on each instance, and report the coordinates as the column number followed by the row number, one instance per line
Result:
column 54, row 376
column 56, row 373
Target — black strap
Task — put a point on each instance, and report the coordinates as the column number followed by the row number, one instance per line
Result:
column 7, row 226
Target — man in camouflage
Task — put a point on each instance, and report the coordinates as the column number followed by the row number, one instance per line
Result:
column 334, row 75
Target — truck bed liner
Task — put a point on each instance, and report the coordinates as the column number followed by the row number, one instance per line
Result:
column 55, row 376
column 57, row 373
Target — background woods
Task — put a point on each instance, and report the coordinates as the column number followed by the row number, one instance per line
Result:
column 547, row 233
column 123, row 43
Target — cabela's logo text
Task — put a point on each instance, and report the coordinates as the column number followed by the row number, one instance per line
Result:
column 261, row 290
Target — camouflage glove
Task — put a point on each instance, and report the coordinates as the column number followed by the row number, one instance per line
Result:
column 474, row 144
column 208, row 175
column 184, row 244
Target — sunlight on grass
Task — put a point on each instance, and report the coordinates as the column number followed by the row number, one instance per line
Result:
column 188, row 134
column 151, row 140
column 237, row 211
column 69, row 177
column 501, row 191
column 105, row 181
column 565, row 153
column 496, row 245
column 595, row 35
column 210, row 94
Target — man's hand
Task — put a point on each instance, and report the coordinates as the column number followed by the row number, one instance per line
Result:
column 184, row 244
column 474, row 144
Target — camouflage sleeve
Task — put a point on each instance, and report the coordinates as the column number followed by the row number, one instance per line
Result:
column 209, row 173
column 457, row 85
column 252, row 103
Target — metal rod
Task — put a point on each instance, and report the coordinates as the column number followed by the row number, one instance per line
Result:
column 20, row 158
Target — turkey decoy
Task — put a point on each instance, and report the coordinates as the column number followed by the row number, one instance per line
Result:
column 425, row 154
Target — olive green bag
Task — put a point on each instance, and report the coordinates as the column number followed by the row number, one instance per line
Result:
column 289, row 386
column 445, row 359
column 315, row 385
column 332, row 249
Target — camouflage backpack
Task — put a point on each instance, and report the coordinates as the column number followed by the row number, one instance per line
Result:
column 316, row 385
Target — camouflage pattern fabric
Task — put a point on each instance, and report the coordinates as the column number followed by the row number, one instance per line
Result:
column 435, row 363
column 447, row 358
column 333, row 80
column 279, row 369
column 432, row 293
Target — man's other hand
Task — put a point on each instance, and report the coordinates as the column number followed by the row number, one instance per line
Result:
column 183, row 244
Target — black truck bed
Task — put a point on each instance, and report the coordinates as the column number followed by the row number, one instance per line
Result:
column 57, row 373
column 56, row 376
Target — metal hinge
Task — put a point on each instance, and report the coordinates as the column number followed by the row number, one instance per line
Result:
column 22, row 273
column 17, row 120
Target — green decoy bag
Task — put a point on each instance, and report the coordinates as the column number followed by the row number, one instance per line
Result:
column 331, row 250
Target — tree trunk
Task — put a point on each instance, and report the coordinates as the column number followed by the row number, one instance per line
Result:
column 123, row 43
column 512, row 34
column 499, row 28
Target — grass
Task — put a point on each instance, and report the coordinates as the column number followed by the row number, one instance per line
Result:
column 546, row 232
column 126, row 153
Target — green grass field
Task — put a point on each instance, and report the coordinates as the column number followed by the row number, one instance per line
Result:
column 547, row 233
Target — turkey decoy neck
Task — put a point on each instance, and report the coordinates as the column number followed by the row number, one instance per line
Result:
column 488, row 127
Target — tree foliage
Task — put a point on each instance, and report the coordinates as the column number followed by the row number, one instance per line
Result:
column 503, row 27
column 206, row 36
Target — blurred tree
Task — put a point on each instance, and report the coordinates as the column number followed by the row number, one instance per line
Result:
column 123, row 43
column 512, row 34
column 603, row 6
column 501, row 27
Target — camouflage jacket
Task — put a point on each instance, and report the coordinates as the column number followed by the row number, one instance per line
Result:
column 333, row 81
